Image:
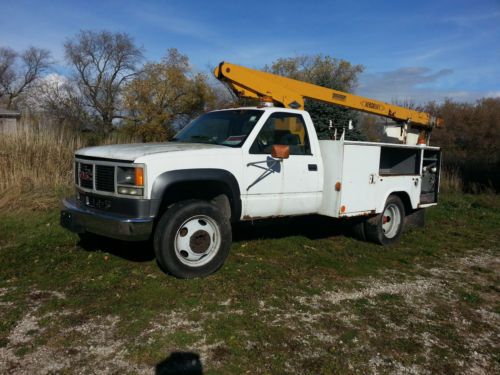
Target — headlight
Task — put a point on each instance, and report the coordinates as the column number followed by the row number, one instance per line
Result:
column 132, row 176
column 130, row 180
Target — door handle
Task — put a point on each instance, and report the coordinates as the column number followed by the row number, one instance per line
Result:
column 312, row 167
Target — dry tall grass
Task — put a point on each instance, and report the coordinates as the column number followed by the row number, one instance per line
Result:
column 451, row 180
column 34, row 158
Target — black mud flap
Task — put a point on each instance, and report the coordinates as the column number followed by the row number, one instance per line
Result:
column 415, row 219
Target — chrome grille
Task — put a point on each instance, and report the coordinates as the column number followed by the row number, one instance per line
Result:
column 105, row 178
column 86, row 176
column 96, row 177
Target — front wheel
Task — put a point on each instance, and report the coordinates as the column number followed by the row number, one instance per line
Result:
column 192, row 239
column 386, row 228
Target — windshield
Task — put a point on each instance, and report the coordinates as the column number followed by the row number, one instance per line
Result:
column 228, row 128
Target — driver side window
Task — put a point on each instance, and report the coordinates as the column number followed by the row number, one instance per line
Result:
column 282, row 129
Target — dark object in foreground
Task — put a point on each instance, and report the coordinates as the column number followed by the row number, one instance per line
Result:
column 180, row 363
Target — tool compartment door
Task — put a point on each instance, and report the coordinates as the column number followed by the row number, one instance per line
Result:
column 359, row 178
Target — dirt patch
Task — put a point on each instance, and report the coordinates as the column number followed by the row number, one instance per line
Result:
column 409, row 290
column 95, row 351
column 408, row 312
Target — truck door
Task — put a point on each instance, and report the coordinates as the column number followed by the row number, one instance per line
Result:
column 274, row 187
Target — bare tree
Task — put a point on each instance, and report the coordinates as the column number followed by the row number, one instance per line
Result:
column 103, row 62
column 58, row 98
column 18, row 71
column 166, row 95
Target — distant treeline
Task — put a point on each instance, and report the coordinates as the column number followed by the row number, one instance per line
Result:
column 471, row 140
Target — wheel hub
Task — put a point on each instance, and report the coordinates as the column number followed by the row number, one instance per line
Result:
column 391, row 220
column 200, row 241
column 197, row 240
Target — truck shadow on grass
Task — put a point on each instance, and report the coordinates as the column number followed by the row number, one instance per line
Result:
column 132, row 251
column 311, row 227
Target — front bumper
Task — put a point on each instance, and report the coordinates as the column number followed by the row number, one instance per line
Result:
column 80, row 219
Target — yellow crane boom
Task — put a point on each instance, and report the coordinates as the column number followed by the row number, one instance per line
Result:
column 291, row 93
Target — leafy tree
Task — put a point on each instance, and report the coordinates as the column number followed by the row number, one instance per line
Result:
column 470, row 130
column 19, row 71
column 469, row 139
column 103, row 62
column 166, row 95
column 328, row 72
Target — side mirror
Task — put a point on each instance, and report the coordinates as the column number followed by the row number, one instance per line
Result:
column 280, row 151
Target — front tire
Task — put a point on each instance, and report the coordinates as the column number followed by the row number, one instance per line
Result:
column 192, row 239
column 386, row 227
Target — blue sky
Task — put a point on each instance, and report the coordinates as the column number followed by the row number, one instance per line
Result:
column 417, row 50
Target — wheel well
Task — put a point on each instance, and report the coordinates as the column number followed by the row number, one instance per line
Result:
column 214, row 191
column 405, row 198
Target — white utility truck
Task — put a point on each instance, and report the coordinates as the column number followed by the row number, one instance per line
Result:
column 252, row 163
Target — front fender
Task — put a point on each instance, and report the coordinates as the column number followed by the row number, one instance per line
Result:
column 170, row 178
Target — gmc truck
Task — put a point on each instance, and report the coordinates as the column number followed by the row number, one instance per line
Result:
column 246, row 164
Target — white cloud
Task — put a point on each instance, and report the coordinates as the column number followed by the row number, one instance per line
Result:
column 46, row 88
column 415, row 84
column 54, row 80
column 471, row 20
column 493, row 94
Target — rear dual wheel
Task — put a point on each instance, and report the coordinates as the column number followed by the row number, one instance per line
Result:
column 192, row 239
column 386, row 227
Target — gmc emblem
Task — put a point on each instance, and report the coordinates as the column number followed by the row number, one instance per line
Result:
column 85, row 176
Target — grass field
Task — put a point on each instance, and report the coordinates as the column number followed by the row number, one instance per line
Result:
column 295, row 297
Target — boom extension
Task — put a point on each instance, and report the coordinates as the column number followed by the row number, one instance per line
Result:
column 291, row 93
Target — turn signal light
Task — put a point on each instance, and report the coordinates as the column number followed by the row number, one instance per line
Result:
column 422, row 138
column 266, row 101
column 139, row 177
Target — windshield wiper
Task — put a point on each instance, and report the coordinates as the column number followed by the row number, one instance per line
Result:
column 203, row 139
